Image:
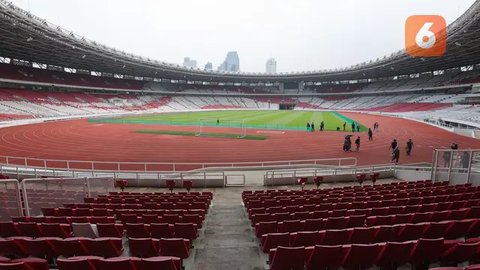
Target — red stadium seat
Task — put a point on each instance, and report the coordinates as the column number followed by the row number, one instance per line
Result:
column 177, row 247
column 144, row 247
column 291, row 258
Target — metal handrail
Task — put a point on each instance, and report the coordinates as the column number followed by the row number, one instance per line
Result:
column 24, row 162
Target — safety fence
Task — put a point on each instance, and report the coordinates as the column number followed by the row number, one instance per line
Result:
column 456, row 166
column 152, row 167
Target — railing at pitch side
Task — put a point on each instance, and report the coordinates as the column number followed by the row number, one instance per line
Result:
column 308, row 172
column 113, row 166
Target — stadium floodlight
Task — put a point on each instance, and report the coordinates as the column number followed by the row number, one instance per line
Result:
column 29, row 39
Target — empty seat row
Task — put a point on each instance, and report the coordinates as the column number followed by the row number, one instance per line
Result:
column 383, row 217
column 367, row 235
column 32, row 229
column 371, row 211
column 53, row 247
column 361, row 203
column 23, row 264
column 65, row 219
column 119, row 263
column 162, row 230
column 386, row 255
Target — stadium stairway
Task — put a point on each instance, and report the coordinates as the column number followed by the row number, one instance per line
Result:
column 227, row 241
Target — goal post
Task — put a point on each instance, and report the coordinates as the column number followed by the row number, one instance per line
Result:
column 238, row 126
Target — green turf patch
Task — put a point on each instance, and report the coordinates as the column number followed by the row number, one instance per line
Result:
column 204, row 134
column 256, row 119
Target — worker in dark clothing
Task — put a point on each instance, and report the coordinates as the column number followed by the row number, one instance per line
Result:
column 370, row 134
column 409, row 147
column 396, row 155
column 393, row 145
column 322, row 126
column 312, row 126
column 308, row 126
column 344, row 125
column 353, row 126
column 357, row 144
column 358, row 127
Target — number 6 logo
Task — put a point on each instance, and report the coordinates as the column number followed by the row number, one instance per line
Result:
column 425, row 36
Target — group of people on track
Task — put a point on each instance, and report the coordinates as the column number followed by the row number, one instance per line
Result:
column 394, row 146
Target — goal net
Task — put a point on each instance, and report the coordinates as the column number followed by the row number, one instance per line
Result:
column 238, row 126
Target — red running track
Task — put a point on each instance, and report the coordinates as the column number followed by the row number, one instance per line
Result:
column 84, row 141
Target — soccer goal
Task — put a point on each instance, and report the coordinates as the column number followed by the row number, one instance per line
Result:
column 237, row 125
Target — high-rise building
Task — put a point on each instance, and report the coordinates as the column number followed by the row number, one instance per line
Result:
column 208, row 66
column 231, row 63
column 271, row 65
column 189, row 63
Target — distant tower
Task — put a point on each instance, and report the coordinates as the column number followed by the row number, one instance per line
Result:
column 189, row 63
column 271, row 65
column 231, row 63
column 208, row 66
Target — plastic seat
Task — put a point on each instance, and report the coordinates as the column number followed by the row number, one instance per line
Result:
column 13, row 266
column 31, row 263
column 14, row 247
column 137, row 230
column 361, row 256
column 30, row 229
column 361, row 235
column 44, row 247
column 106, row 247
column 56, row 230
column 161, row 230
column 177, row 247
column 336, row 223
column 427, row 251
column 8, row 229
column 186, row 230
column 118, row 263
column 326, row 257
column 265, row 227
column 110, row 230
column 437, row 229
column 461, row 252
column 395, row 254
column 356, row 221
column 84, row 230
column 288, row 258
column 78, row 263
column 314, row 224
column 335, row 237
column 160, row 262
column 304, row 238
column 290, row 226
column 74, row 246
column 459, row 228
column 144, row 247
column 406, row 232
column 273, row 240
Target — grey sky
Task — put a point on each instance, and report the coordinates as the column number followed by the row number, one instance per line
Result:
column 300, row 34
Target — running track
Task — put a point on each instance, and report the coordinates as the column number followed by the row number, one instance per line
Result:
column 81, row 140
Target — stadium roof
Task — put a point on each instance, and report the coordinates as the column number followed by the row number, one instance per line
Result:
column 27, row 37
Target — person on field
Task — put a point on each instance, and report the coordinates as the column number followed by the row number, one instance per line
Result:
column 308, row 126
column 396, row 155
column 409, row 147
column 357, row 144
column 218, row 121
column 322, row 126
column 344, row 126
column 393, row 145
column 358, row 127
column 370, row 134
column 353, row 126
column 312, row 126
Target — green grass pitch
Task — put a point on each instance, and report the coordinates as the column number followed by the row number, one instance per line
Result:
column 279, row 120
